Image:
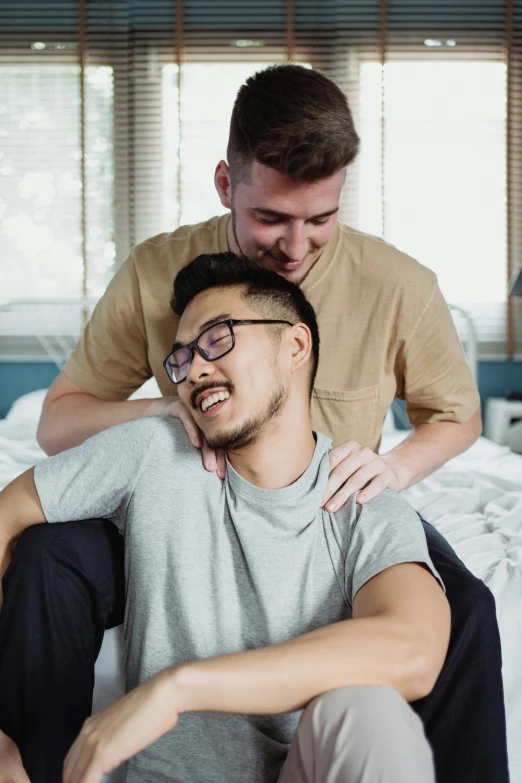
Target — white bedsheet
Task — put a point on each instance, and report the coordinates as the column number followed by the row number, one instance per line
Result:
column 475, row 501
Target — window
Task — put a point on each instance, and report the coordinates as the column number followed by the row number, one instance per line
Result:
column 443, row 198
column 40, row 176
column 208, row 93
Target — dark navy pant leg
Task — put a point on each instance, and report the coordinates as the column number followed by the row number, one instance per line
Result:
column 64, row 586
column 464, row 715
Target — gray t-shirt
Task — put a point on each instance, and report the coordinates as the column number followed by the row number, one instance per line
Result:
column 215, row 567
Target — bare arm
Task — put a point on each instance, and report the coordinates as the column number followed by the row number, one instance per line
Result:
column 428, row 447
column 19, row 509
column 70, row 415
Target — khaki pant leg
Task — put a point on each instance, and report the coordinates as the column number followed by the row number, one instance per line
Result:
column 359, row 734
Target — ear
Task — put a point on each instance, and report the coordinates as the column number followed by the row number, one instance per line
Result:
column 301, row 346
column 223, row 184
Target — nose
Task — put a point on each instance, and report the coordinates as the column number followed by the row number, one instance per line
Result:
column 294, row 244
column 199, row 368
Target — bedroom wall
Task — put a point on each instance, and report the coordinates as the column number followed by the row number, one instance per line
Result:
column 17, row 378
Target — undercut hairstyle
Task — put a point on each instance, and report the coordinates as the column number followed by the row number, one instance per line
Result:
column 269, row 294
column 293, row 119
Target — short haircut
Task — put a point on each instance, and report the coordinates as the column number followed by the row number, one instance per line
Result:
column 293, row 119
column 271, row 295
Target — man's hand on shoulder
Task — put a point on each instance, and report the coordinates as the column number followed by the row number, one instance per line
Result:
column 353, row 468
column 214, row 461
column 425, row 449
column 11, row 766
column 122, row 730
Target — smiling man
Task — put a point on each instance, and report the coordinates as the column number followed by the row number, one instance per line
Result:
column 246, row 601
column 386, row 332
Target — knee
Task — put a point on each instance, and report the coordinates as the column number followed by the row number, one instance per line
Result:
column 36, row 543
column 364, row 727
column 361, row 705
column 54, row 543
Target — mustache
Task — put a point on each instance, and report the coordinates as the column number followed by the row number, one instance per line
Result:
column 206, row 387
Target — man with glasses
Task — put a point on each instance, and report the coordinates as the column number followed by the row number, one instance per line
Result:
column 386, row 332
column 246, row 601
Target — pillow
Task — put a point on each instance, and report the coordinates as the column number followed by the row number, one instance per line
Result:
column 28, row 407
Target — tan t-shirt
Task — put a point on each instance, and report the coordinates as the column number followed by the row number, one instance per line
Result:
column 385, row 329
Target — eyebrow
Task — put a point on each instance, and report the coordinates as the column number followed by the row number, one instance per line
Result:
column 273, row 213
column 202, row 327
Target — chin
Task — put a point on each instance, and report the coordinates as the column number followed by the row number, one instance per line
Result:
column 233, row 437
column 226, row 441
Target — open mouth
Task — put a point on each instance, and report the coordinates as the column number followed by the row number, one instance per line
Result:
column 214, row 402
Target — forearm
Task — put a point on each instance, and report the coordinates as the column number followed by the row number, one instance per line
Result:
column 69, row 420
column 429, row 446
column 285, row 677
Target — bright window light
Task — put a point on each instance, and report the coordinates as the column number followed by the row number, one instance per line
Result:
column 208, row 93
column 444, row 172
column 40, row 180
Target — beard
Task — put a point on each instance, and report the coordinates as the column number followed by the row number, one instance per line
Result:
column 249, row 431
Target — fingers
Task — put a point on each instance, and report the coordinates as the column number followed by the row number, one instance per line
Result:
column 221, row 464
column 209, row 458
column 354, row 468
column 214, row 461
column 191, row 428
column 342, row 470
column 374, row 488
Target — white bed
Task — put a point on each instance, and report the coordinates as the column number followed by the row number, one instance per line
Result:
column 475, row 501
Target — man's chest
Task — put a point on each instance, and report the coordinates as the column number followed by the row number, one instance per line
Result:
column 201, row 586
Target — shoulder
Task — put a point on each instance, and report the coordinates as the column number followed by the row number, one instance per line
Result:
column 383, row 263
column 390, row 507
column 170, row 449
column 140, row 434
column 173, row 250
column 386, row 510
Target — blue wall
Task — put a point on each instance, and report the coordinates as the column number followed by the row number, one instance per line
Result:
column 495, row 379
column 17, row 378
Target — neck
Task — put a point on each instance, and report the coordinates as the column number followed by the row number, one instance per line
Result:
column 280, row 455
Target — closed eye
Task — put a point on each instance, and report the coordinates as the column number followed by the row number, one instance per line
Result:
column 314, row 221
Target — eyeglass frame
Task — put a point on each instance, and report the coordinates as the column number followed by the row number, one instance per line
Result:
column 193, row 346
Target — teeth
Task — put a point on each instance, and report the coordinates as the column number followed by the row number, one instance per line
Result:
column 213, row 399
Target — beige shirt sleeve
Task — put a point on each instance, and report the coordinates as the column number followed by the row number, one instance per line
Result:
column 438, row 384
column 111, row 359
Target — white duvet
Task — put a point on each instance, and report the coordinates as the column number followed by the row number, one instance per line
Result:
column 475, row 501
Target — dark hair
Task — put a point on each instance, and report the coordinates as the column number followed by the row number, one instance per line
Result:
column 270, row 294
column 293, row 119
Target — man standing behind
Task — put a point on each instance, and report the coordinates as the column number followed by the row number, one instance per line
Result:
column 386, row 332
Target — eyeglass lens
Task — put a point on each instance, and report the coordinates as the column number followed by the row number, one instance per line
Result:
column 215, row 342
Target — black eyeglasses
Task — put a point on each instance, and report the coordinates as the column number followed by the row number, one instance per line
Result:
column 213, row 343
